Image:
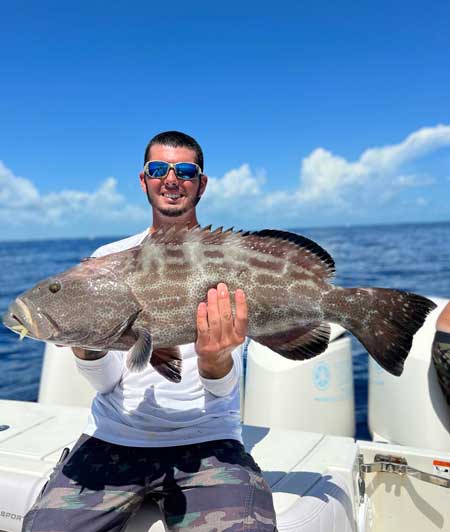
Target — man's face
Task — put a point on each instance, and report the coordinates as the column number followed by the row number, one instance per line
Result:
column 171, row 196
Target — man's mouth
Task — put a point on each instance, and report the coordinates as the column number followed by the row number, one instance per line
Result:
column 171, row 196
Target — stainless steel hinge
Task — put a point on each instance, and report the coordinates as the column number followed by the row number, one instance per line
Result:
column 394, row 464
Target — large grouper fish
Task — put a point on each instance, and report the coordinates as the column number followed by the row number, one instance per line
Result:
column 145, row 299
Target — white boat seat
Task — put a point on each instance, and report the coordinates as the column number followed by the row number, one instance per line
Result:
column 310, row 474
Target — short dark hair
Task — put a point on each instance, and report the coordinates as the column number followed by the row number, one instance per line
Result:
column 176, row 139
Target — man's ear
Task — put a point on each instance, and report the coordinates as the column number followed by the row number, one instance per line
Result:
column 142, row 180
column 203, row 182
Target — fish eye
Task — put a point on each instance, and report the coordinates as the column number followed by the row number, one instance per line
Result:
column 54, row 287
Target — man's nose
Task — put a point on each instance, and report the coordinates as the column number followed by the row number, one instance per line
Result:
column 171, row 178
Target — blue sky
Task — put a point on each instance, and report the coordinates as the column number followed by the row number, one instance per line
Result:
column 309, row 113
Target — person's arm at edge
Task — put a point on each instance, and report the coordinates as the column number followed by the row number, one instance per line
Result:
column 443, row 321
column 440, row 351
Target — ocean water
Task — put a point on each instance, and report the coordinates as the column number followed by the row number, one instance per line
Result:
column 413, row 257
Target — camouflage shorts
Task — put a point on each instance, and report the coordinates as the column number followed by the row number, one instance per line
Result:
column 213, row 486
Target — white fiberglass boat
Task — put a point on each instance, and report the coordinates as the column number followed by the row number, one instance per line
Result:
column 298, row 424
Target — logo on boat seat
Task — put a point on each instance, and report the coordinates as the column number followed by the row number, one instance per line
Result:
column 322, row 376
column 9, row 515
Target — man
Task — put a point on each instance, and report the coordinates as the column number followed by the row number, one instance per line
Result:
column 179, row 443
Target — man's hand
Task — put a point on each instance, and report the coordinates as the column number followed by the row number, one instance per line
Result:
column 217, row 333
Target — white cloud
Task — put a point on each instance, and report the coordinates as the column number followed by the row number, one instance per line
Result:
column 16, row 191
column 414, row 146
column 236, row 183
column 413, row 181
column 21, row 202
column 325, row 177
column 234, row 199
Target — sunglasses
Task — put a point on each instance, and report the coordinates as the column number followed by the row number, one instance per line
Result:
column 160, row 170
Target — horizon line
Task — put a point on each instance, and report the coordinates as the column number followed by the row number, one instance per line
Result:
column 292, row 229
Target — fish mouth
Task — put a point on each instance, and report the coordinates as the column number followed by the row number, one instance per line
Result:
column 14, row 324
column 25, row 320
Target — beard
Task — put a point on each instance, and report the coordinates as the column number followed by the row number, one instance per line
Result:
column 172, row 212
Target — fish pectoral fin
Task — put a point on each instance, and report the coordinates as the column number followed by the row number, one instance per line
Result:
column 141, row 352
column 113, row 334
column 167, row 361
column 298, row 343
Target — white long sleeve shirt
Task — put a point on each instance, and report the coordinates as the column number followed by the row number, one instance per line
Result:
column 146, row 410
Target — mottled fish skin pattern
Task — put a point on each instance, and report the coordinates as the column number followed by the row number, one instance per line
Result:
column 170, row 275
column 159, row 284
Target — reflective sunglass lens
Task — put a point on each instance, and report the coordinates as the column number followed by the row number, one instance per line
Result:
column 160, row 169
column 157, row 169
column 186, row 170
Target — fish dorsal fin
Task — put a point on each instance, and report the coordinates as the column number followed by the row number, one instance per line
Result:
column 296, row 248
column 175, row 234
column 301, row 241
column 280, row 243
column 184, row 234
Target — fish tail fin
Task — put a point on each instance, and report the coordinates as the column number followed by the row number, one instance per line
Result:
column 383, row 320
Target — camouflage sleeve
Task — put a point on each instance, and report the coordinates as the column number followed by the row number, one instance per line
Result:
column 441, row 358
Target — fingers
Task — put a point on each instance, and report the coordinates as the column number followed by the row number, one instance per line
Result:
column 225, row 312
column 241, row 319
column 215, row 318
column 202, row 323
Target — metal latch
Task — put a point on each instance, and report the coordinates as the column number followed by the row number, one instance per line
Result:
column 395, row 464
